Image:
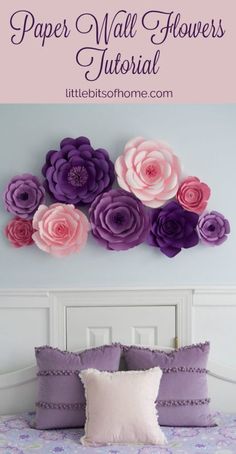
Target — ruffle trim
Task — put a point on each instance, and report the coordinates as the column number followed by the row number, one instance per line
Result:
column 124, row 348
column 194, row 370
column 200, row 345
column 52, row 373
column 65, row 352
column 59, row 373
column 159, row 403
column 59, row 406
column 182, row 403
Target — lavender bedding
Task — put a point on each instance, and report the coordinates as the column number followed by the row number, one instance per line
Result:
column 17, row 437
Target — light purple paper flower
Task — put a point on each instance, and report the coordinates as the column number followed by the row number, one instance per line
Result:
column 23, row 195
column 77, row 173
column 213, row 228
column 119, row 221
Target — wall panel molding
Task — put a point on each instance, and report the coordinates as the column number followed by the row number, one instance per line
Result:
column 200, row 314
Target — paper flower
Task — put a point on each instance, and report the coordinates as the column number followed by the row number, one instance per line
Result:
column 19, row 232
column 150, row 170
column 119, row 221
column 77, row 173
column 23, row 195
column 172, row 229
column 60, row 229
column 193, row 195
column 213, row 228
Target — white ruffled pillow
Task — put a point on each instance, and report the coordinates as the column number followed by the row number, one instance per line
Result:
column 120, row 407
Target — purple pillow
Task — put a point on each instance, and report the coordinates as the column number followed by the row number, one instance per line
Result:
column 61, row 399
column 183, row 393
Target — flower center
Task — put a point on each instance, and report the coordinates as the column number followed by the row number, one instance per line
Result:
column 170, row 226
column 211, row 228
column 24, row 196
column 118, row 218
column 192, row 195
column 60, row 230
column 151, row 171
column 77, row 176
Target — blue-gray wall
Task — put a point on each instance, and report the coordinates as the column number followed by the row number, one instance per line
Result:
column 204, row 137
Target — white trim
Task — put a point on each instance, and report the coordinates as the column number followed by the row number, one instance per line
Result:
column 182, row 300
column 18, row 377
column 184, row 319
column 187, row 300
column 46, row 291
column 222, row 372
column 213, row 297
column 215, row 290
column 23, row 299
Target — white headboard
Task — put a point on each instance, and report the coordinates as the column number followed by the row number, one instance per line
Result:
column 77, row 319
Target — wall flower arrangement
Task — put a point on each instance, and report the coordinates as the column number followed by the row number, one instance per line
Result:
column 154, row 205
column 60, row 229
column 23, row 195
column 173, row 228
column 149, row 170
column 77, row 173
column 119, row 221
column 19, row 232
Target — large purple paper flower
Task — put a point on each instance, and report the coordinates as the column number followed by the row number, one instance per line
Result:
column 172, row 229
column 213, row 228
column 119, row 221
column 23, row 195
column 77, row 173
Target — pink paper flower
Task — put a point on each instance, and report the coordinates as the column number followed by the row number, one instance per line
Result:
column 19, row 232
column 193, row 195
column 150, row 170
column 60, row 229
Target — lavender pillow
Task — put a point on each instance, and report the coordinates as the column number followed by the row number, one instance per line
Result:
column 183, row 393
column 61, row 399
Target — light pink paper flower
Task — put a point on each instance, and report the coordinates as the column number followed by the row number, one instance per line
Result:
column 19, row 232
column 150, row 170
column 193, row 195
column 60, row 229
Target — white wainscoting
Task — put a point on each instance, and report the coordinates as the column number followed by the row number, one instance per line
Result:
column 214, row 317
column 75, row 319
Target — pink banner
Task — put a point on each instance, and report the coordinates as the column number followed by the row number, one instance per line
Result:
column 157, row 51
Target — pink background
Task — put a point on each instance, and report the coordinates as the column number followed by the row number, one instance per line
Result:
column 196, row 70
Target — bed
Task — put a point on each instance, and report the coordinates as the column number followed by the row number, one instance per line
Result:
column 18, row 437
column 82, row 319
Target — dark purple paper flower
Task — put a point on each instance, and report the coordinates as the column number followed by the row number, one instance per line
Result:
column 23, row 195
column 213, row 228
column 119, row 220
column 172, row 229
column 77, row 173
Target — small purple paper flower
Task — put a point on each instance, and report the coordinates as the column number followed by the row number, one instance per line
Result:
column 213, row 228
column 119, row 221
column 23, row 195
column 77, row 173
column 172, row 229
